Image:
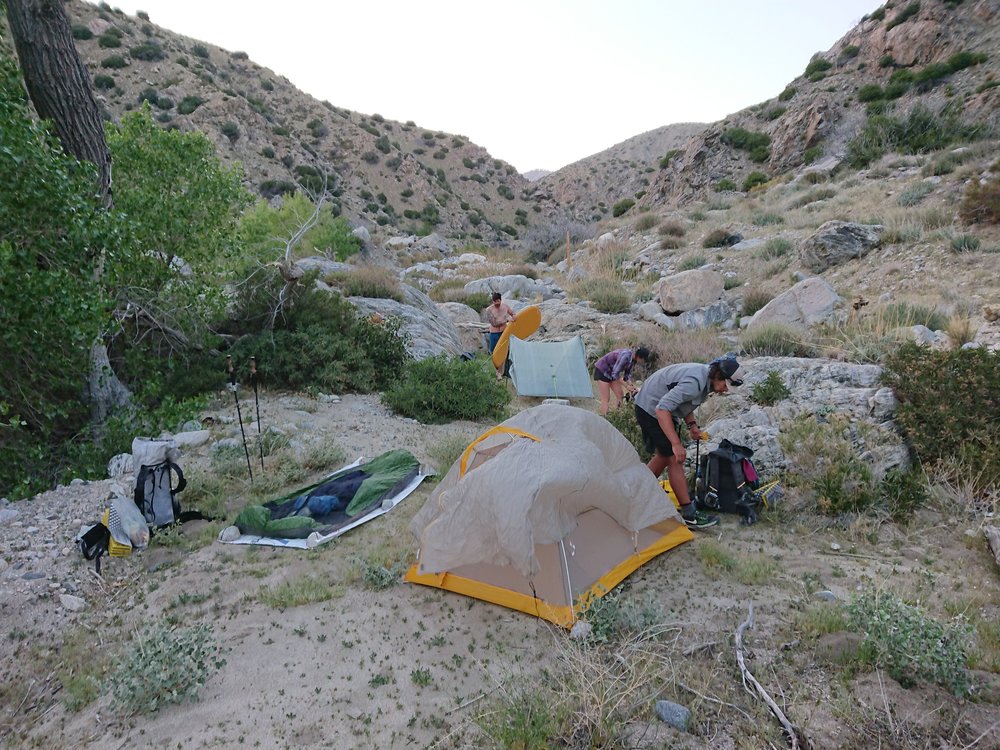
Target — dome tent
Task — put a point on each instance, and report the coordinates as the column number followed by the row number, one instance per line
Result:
column 543, row 513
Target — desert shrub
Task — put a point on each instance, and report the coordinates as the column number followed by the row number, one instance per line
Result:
column 908, row 643
column 104, row 82
column 672, row 229
column 167, row 665
column 816, row 68
column 438, row 389
column 914, row 194
column 764, row 218
column 774, row 340
column 774, row 113
column 189, row 104
column 757, row 145
column 646, row 222
column 902, row 491
column 149, row 51
column 691, row 262
column 716, row 238
column 231, row 130
column 82, row 32
column 904, row 15
column 114, row 62
column 622, row 206
column 811, row 154
column 754, row 179
column 787, row 94
column 109, row 40
column 819, row 194
column 770, row 390
column 922, row 131
column 871, row 92
column 776, row 247
column 948, row 402
column 199, row 50
column 965, row 243
column 607, row 294
column 754, row 300
column 274, row 188
column 321, row 342
column 849, row 52
column 981, row 202
column 725, row 185
column 665, row 161
column 368, row 281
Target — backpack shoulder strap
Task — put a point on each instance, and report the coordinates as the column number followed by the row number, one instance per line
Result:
column 181, row 481
column 94, row 543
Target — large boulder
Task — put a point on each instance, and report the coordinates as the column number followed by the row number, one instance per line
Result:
column 810, row 301
column 689, row 290
column 836, row 242
column 430, row 330
column 468, row 323
column 513, row 285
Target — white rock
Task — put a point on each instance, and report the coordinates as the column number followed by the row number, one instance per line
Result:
column 72, row 603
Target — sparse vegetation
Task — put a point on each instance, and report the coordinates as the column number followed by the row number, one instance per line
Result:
column 770, row 390
column 439, row 389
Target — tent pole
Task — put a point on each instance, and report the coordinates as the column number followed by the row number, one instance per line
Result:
column 566, row 582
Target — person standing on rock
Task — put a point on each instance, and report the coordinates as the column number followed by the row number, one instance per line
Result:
column 613, row 374
column 498, row 315
column 669, row 395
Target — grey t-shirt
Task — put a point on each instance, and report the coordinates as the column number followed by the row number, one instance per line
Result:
column 678, row 389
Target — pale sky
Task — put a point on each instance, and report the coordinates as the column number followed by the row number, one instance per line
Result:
column 540, row 83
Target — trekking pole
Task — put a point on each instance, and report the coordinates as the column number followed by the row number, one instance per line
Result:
column 698, row 480
column 256, row 402
column 239, row 415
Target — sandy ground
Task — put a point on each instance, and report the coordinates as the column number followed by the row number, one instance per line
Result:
column 409, row 666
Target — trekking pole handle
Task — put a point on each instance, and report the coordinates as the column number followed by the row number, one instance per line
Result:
column 232, row 372
column 253, row 366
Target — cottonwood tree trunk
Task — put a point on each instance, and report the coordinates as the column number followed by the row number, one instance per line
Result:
column 58, row 83
column 59, row 87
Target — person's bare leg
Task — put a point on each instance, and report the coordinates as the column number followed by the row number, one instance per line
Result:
column 616, row 388
column 675, row 473
column 657, row 464
column 604, row 390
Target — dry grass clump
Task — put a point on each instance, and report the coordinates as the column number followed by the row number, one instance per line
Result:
column 754, row 299
column 608, row 294
column 775, row 340
column 672, row 228
column 646, row 222
column 612, row 261
column 818, row 194
column 367, row 281
column 701, row 345
column 869, row 337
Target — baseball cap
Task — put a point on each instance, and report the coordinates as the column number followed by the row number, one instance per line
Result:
column 730, row 369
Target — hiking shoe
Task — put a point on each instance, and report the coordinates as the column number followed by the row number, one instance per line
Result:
column 695, row 519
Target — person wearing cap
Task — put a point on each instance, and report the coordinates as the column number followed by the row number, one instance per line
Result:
column 497, row 315
column 613, row 374
column 670, row 395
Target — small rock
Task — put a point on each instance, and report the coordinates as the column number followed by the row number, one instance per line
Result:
column 581, row 630
column 7, row 515
column 827, row 596
column 673, row 714
column 72, row 603
column 835, row 547
column 33, row 575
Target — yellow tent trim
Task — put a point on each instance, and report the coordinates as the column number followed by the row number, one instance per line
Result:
column 674, row 534
column 499, row 429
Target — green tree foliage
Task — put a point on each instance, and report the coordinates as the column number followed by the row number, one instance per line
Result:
column 264, row 231
column 52, row 232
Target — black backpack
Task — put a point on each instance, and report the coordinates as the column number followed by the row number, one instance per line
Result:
column 727, row 481
column 156, row 493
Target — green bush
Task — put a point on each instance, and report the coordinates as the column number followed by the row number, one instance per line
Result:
column 753, row 180
column 440, row 389
column 322, row 343
column 623, row 420
column 114, row 62
column 725, row 185
column 886, row 61
column 668, row 157
column 622, row 206
column 199, row 50
column 776, row 247
column 922, row 131
column 948, row 402
column 770, row 390
column 607, row 294
column 150, row 51
column 646, row 222
column 167, row 665
column 765, row 218
column 231, row 130
column 909, row 644
column 82, row 32
column 716, row 238
column 903, row 491
column 757, row 145
column 965, row 243
column 816, row 68
column 103, row 82
column 811, row 154
column 915, row 194
column 787, row 94
column 691, row 262
column 871, row 92
column 189, row 104
column 108, row 40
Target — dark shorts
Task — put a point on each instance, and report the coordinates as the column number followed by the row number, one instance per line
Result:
column 652, row 434
column 603, row 377
column 493, row 339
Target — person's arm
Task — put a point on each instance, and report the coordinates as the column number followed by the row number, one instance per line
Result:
column 511, row 313
column 621, row 368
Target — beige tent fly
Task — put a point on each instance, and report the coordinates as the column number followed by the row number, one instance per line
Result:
column 543, row 513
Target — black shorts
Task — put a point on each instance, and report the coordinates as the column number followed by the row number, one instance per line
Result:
column 652, row 434
column 603, row 377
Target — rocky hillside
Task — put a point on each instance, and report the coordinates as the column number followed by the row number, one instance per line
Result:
column 905, row 59
column 588, row 189
column 400, row 176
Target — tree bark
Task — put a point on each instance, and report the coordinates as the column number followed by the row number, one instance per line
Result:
column 58, row 82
